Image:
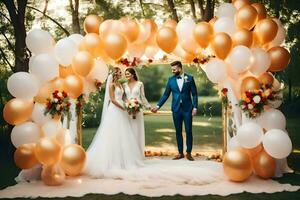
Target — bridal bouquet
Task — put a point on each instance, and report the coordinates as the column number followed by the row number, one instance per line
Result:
column 133, row 106
column 58, row 104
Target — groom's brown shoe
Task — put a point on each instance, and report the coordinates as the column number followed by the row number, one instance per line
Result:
column 179, row 156
column 189, row 157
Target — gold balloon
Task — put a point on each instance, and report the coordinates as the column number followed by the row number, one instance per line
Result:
column 73, row 159
column 249, row 83
column 246, row 17
column 58, row 84
column 16, row 111
column 92, row 23
column 237, row 165
column 280, row 58
column 82, row 63
column 92, row 44
column 65, row 71
column 212, row 21
column 203, row 33
column 53, row 175
column 221, row 44
column 130, row 29
column 265, row 31
column 266, row 79
column 24, row 156
column 115, row 45
column 171, row 23
column 242, row 37
column 254, row 151
column 48, row 151
column 240, row 3
column 166, row 39
column 74, row 86
column 264, row 165
column 261, row 10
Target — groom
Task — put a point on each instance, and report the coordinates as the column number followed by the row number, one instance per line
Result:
column 184, row 108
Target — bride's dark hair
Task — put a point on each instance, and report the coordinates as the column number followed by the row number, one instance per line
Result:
column 133, row 72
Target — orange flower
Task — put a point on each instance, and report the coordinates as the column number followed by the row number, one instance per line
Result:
column 247, row 100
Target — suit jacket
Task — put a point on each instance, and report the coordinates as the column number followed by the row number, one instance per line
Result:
column 184, row 96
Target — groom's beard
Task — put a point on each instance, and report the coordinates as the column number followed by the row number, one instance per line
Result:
column 177, row 73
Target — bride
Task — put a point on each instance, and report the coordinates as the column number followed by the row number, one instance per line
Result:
column 114, row 145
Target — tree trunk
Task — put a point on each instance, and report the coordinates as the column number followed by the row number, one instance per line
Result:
column 17, row 16
column 207, row 13
column 192, row 3
column 75, row 16
column 173, row 10
column 142, row 8
column 290, row 90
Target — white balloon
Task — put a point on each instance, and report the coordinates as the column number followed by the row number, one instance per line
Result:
column 38, row 114
column 233, row 144
column 226, row 25
column 277, row 143
column 64, row 51
column 145, row 32
column 76, row 38
column 25, row 133
column 44, row 67
column 216, row 70
column 99, row 71
column 151, row 51
column 277, row 102
column 240, row 58
column 226, row 10
column 51, row 128
column 249, row 135
column 39, row 41
column 88, row 87
column 23, row 85
column 261, row 61
column 272, row 119
column 184, row 28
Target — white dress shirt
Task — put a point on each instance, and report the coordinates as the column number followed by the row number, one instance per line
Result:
column 180, row 81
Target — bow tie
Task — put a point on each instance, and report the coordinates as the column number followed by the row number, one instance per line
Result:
column 179, row 77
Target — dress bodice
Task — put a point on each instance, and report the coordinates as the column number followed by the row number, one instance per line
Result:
column 119, row 94
column 137, row 92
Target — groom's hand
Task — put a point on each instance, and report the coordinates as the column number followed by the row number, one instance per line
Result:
column 154, row 110
column 194, row 112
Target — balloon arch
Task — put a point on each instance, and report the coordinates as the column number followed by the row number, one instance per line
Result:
column 238, row 50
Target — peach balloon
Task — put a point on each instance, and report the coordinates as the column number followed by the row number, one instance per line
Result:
column 264, row 165
column 24, row 156
column 212, row 21
column 221, row 45
column 44, row 93
column 246, row 17
column 265, row 31
column 249, row 83
column 53, row 175
column 92, row 43
column 203, row 33
column 82, row 63
column 74, row 86
column 73, row 159
column 65, row 71
column 130, row 29
column 58, row 84
column 280, row 58
column 261, row 10
column 266, row 79
column 115, row 45
column 171, row 23
column 136, row 50
column 180, row 52
column 167, row 39
column 240, row 3
column 110, row 26
column 254, row 151
column 48, row 151
column 16, row 111
column 92, row 23
column 237, row 165
column 243, row 37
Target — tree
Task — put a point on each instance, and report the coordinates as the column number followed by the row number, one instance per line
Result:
column 74, row 5
column 207, row 12
column 193, row 9
column 173, row 10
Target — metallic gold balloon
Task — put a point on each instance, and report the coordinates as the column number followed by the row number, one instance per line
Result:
column 74, row 86
column 212, row 21
column 58, row 84
column 171, row 23
column 221, row 44
column 65, row 71
column 82, row 63
column 16, row 111
column 240, row 3
column 130, row 29
column 92, row 44
column 264, row 165
column 261, row 10
column 53, row 175
column 203, row 33
column 73, row 159
column 266, row 79
column 249, row 83
column 115, row 45
column 242, row 37
column 265, row 31
column 166, row 39
column 48, row 151
column 92, row 23
column 237, row 165
column 24, row 156
column 246, row 17
column 280, row 58
column 254, row 151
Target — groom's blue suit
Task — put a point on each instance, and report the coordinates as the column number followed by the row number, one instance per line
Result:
column 182, row 106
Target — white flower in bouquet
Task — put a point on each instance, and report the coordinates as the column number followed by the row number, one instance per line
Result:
column 55, row 100
column 256, row 99
column 59, row 94
column 58, row 107
column 250, row 106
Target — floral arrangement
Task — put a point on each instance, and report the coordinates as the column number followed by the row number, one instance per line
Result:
column 224, row 97
column 203, row 60
column 253, row 102
column 135, row 62
column 133, row 106
column 58, row 104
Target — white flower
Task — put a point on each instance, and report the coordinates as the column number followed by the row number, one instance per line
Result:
column 256, row 99
column 250, row 106
column 185, row 78
column 58, row 107
column 59, row 94
column 55, row 100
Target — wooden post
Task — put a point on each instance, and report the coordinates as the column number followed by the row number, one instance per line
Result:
column 225, row 122
column 79, row 126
